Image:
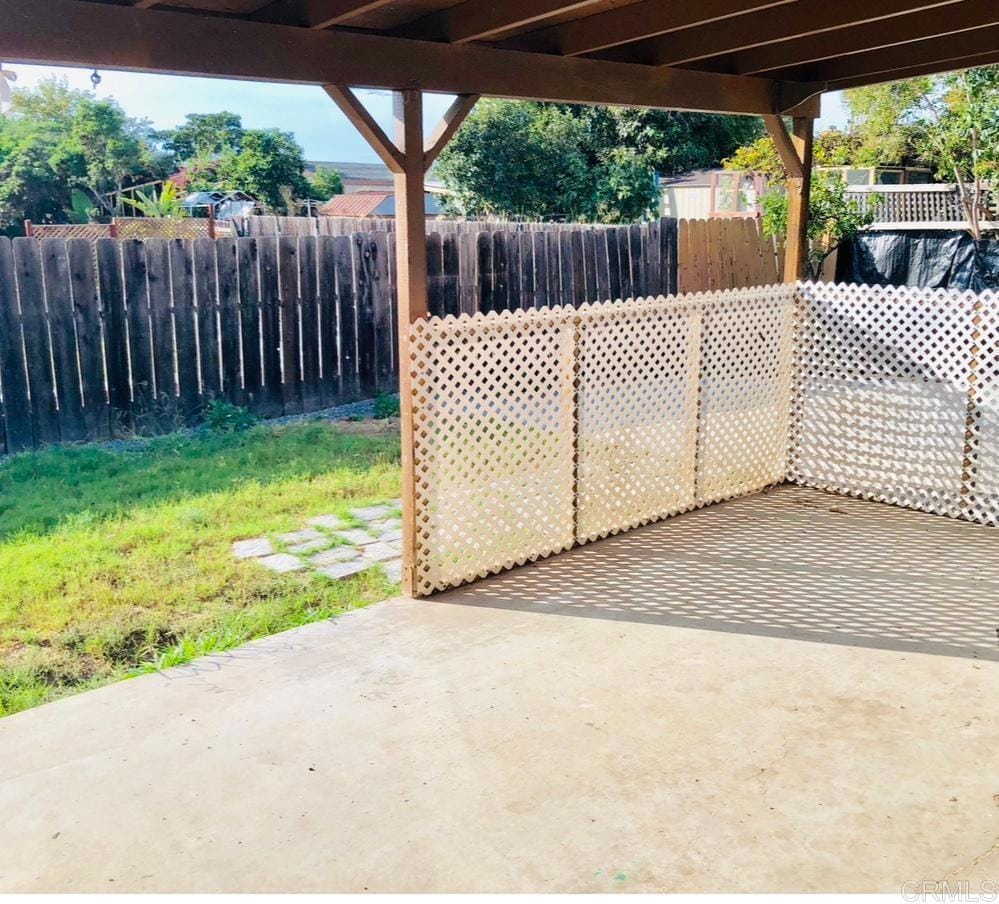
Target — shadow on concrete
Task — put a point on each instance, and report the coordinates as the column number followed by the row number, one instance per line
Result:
column 793, row 562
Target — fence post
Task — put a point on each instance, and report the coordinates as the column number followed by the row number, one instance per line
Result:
column 29, row 229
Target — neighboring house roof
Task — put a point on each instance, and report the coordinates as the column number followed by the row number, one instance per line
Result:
column 362, row 172
column 693, row 179
column 371, row 204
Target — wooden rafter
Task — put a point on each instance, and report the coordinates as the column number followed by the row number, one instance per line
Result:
column 940, row 53
column 631, row 23
column 450, row 123
column 945, row 20
column 892, row 75
column 477, row 20
column 806, row 17
column 315, row 13
column 70, row 32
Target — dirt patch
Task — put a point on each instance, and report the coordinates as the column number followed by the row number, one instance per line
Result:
column 369, row 427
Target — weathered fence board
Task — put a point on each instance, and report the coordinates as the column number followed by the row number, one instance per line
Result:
column 130, row 336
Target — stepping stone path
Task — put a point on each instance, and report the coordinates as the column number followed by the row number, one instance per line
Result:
column 334, row 546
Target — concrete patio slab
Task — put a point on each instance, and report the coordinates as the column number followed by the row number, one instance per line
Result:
column 792, row 692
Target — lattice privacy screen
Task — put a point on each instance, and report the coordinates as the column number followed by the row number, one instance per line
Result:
column 897, row 397
column 538, row 429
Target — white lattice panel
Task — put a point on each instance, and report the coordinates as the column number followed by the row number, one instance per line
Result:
column 493, row 430
column 538, row 429
column 883, row 404
column 637, row 413
column 745, row 397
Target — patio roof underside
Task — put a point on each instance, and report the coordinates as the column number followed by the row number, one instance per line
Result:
column 737, row 56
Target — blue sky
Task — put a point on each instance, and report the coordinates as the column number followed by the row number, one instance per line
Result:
column 318, row 125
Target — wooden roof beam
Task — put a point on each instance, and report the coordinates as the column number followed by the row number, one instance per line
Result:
column 631, row 23
column 945, row 20
column 478, row 20
column 315, row 13
column 72, row 33
column 806, row 17
column 938, row 53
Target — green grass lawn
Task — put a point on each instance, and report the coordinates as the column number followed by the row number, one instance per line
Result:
column 113, row 563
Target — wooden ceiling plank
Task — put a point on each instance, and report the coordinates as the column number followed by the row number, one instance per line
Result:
column 806, row 17
column 364, row 122
column 630, row 23
column 450, row 123
column 478, row 20
column 935, row 51
column 74, row 33
column 315, row 13
column 939, row 22
column 955, row 65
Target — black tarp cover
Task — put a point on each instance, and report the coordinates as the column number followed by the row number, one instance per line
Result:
column 931, row 259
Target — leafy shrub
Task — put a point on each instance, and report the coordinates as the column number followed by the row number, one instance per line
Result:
column 224, row 417
column 386, row 406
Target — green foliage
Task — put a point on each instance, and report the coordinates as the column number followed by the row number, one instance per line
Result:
column 949, row 122
column 834, row 217
column 268, row 163
column 224, row 417
column 386, row 406
column 832, row 147
column 325, row 184
column 165, row 204
column 115, row 562
column 555, row 161
column 56, row 141
column 204, row 135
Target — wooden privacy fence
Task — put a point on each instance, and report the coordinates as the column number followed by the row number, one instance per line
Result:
column 139, row 337
column 727, row 253
column 270, row 225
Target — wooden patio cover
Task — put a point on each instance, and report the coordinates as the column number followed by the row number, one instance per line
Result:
column 736, row 56
column 765, row 57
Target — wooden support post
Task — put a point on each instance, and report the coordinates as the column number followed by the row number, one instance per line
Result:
column 409, row 159
column 798, row 192
column 411, row 269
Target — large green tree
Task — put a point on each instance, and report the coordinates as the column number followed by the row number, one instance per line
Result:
column 57, row 143
column 204, row 135
column 215, row 151
column 555, row 161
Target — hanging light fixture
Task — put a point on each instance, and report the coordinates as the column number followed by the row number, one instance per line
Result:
column 95, row 79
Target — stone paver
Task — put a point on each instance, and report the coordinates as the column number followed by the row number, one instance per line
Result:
column 252, row 549
column 341, row 570
column 310, row 546
column 372, row 512
column 393, row 570
column 300, row 536
column 379, row 552
column 337, row 554
column 282, row 562
column 379, row 544
column 329, row 522
column 356, row 537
